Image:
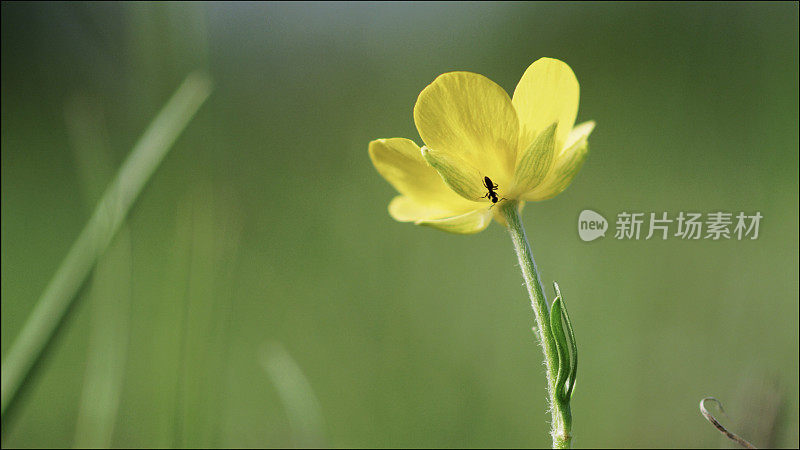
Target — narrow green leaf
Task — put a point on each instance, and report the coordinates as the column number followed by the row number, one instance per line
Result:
column 557, row 329
column 573, row 369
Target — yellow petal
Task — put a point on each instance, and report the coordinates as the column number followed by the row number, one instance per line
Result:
column 464, row 179
column 405, row 209
column 566, row 165
column 400, row 162
column 535, row 162
column 469, row 116
column 580, row 132
column 468, row 223
column 547, row 93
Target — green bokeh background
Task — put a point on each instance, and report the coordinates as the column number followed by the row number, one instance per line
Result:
column 267, row 224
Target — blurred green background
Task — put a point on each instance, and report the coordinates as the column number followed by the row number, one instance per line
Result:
column 261, row 296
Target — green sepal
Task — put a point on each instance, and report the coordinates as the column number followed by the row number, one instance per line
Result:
column 535, row 162
column 462, row 177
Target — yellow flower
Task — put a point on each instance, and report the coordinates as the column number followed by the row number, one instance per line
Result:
column 527, row 146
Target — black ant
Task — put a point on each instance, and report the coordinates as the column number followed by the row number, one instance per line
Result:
column 491, row 195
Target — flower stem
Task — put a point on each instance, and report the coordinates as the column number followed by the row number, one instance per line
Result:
column 562, row 417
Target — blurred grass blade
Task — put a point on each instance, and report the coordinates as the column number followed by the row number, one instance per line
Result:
column 109, row 299
column 109, row 296
column 294, row 390
column 99, row 231
column 210, row 241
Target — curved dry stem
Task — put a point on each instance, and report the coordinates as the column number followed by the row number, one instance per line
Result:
column 710, row 417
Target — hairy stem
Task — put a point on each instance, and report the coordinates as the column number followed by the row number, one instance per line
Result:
column 562, row 418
